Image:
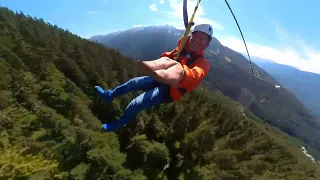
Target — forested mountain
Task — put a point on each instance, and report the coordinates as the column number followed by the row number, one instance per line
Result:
column 231, row 74
column 50, row 119
column 304, row 84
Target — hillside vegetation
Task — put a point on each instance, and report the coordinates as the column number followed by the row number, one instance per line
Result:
column 303, row 84
column 50, row 119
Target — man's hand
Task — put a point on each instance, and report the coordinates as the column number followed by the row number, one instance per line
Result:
column 172, row 76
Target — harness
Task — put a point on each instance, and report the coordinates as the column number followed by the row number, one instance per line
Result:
column 192, row 58
column 191, row 55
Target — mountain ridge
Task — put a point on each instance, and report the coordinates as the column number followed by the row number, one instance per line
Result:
column 303, row 83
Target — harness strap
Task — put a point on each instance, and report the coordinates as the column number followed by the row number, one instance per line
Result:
column 192, row 58
column 191, row 23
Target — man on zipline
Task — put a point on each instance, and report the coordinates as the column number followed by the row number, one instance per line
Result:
column 167, row 79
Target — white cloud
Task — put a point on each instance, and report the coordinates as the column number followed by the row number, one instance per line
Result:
column 140, row 25
column 161, row 1
column 176, row 16
column 153, row 7
column 106, row 2
column 292, row 51
column 137, row 25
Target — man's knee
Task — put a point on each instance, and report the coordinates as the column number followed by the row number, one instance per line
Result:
column 175, row 75
column 135, row 106
column 166, row 59
column 178, row 71
column 133, row 82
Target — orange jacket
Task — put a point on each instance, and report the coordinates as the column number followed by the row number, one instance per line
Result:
column 193, row 74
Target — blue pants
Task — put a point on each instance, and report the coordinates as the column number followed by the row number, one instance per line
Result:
column 156, row 93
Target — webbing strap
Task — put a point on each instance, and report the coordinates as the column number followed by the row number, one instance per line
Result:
column 186, row 32
column 185, row 13
column 192, row 56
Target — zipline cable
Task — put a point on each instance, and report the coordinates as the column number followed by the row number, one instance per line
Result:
column 252, row 71
column 189, row 24
column 234, row 17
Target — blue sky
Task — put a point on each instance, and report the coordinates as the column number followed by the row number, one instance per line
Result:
column 283, row 31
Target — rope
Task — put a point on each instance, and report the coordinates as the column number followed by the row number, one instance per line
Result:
column 186, row 32
column 189, row 24
column 242, row 39
column 301, row 117
column 185, row 13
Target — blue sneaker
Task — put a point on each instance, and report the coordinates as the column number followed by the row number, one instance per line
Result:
column 112, row 126
column 104, row 95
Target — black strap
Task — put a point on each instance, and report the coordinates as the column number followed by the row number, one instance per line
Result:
column 192, row 56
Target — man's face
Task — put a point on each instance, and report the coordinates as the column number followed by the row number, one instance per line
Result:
column 199, row 41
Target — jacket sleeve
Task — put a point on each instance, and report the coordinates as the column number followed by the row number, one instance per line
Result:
column 193, row 76
column 168, row 54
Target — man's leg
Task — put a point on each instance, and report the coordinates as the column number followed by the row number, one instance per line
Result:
column 161, row 63
column 171, row 76
column 139, row 83
column 156, row 96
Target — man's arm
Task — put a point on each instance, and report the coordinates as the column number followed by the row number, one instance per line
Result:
column 172, row 76
column 181, row 76
column 193, row 76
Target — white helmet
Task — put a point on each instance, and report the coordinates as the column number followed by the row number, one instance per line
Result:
column 205, row 28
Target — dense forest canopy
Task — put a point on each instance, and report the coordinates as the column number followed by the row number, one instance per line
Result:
column 50, row 119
